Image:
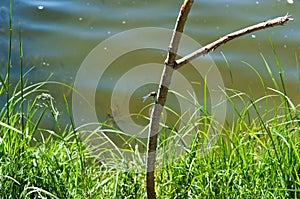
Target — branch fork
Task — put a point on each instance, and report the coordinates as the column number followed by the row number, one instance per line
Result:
column 171, row 63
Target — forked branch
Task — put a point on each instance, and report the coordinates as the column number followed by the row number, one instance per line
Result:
column 171, row 63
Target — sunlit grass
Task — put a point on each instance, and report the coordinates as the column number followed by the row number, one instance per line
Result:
column 257, row 156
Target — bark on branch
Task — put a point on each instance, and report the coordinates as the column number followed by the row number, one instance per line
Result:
column 212, row 46
column 162, row 96
column 171, row 64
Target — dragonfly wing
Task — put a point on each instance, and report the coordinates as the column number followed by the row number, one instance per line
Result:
column 145, row 98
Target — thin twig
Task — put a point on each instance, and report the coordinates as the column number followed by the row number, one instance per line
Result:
column 212, row 46
column 162, row 96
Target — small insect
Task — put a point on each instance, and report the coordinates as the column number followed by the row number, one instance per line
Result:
column 151, row 94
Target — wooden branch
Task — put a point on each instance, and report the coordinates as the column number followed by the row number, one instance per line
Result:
column 212, row 46
column 170, row 64
column 162, row 96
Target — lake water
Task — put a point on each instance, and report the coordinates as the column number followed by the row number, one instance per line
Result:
column 58, row 35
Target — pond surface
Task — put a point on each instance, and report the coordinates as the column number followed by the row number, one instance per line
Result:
column 58, row 35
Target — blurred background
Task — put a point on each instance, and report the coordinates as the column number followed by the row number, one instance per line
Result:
column 58, row 34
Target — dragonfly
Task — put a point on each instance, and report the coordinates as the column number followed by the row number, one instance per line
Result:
column 151, row 94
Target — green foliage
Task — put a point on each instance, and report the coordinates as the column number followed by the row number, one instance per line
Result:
column 254, row 158
column 249, row 161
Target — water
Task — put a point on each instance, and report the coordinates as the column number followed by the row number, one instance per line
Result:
column 58, row 35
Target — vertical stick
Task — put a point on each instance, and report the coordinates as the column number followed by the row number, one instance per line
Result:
column 162, row 96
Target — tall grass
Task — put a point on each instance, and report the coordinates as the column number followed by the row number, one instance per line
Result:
column 257, row 156
column 51, row 166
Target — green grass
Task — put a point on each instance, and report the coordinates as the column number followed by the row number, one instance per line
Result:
column 253, row 158
column 256, row 155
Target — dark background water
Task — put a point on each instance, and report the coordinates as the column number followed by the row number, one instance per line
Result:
column 57, row 35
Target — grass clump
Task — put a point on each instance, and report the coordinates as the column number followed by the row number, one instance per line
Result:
column 250, row 160
column 257, row 155
column 42, row 163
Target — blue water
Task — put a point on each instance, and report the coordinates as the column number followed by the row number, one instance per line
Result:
column 57, row 35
